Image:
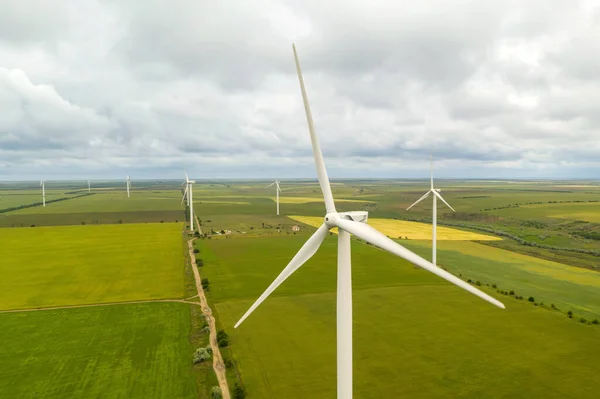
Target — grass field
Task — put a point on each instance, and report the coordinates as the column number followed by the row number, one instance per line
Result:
column 412, row 230
column 286, row 349
column 120, row 351
column 304, row 200
column 52, row 266
column 588, row 211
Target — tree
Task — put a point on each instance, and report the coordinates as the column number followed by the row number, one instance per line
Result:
column 570, row 314
column 205, row 284
column 199, row 262
column 595, row 321
column 202, row 354
column 196, row 251
column 239, row 392
column 531, row 299
column 222, row 339
column 511, row 292
column 216, row 393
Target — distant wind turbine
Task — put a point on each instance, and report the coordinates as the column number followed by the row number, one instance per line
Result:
column 189, row 191
column 347, row 223
column 89, row 186
column 128, row 182
column 436, row 195
column 43, row 185
column 278, row 190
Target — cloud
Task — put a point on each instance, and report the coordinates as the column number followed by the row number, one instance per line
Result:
column 106, row 88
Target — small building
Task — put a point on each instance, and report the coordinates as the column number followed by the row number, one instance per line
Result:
column 295, row 228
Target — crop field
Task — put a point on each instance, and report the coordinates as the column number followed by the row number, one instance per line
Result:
column 303, row 200
column 587, row 211
column 471, row 349
column 53, row 266
column 412, row 230
column 112, row 202
column 121, row 351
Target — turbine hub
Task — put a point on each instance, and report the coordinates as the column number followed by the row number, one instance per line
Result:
column 330, row 218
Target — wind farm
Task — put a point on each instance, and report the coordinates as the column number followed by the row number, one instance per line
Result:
column 413, row 213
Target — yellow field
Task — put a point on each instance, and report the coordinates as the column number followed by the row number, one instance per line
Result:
column 304, row 200
column 413, row 230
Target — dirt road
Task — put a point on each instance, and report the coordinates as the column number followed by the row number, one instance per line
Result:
column 218, row 364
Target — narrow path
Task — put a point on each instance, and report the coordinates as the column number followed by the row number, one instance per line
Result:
column 92, row 305
column 218, row 364
column 198, row 224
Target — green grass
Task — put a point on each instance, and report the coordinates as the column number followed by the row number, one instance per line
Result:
column 68, row 219
column 589, row 211
column 53, row 266
column 569, row 288
column 414, row 334
column 120, row 351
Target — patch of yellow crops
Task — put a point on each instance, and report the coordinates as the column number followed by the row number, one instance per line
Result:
column 412, row 230
column 304, row 200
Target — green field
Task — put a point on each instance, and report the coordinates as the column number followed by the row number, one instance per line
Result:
column 120, row 351
column 415, row 335
column 53, row 266
column 587, row 211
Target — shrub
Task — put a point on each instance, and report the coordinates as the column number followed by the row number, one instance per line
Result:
column 595, row 321
column 196, row 251
column 205, row 284
column 206, row 329
column 238, row 391
column 202, row 354
column 570, row 314
column 493, row 285
column 531, row 299
column 199, row 262
column 478, row 283
column 511, row 292
column 216, row 393
column 582, row 320
column 228, row 362
column 222, row 339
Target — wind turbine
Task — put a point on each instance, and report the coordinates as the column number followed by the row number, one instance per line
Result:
column 89, row 186
column 436, row 195
column 128, row 182
column 189, row 189
column 276, row 183
column 43, row 185
column 347, row 223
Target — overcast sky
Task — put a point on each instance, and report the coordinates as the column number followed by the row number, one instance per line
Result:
column 101, row 89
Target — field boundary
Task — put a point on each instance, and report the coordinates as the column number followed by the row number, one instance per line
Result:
column 218, row 364
column 93, row 305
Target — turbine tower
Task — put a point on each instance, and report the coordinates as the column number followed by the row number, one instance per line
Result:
column 43, row 185
column 278, row 190
column 89, row 186
column 436, row 195
column 347, row 223
column 128, row 182
column 189, row 189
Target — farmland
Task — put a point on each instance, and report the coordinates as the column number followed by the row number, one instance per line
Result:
column 53, row 266
column 470, row 347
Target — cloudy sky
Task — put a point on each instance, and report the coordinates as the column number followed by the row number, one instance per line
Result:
column 101, row 89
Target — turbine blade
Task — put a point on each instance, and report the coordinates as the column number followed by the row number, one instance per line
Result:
column 374, row 237
column 319, row 163
column 270, row 185
column 305, row 253
column 419, row 200
column 431, row 166
column 186, row 175
column 184, row 194
column 443, row 200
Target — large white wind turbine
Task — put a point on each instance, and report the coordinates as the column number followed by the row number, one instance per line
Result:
column 189, row 190
column 347, row 223
column 43, row 185
column 436, row 195
column 89, row 186
column 128, row 183
column 278, row 190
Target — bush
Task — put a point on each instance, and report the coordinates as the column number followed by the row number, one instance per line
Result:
column 238, row 391
column 228, row 362
column 199, row 262
column 511, row 292
column 202, row 354
column 582, row 320
column 222, row 339
column 531, row 299
column 595, row 321
column 493, row 285
column 205, row 284
column 570, row 314
column 478, row 283
column 216, row 393
column 196, row 251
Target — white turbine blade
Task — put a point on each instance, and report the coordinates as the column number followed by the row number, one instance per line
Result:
column 419, row 200
column 270, row 185
column 186, row 175
column 374, row 237
column 443, row 200
column 431, row 166
column 305, row 253
column 319, row 163
column 184, row 194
